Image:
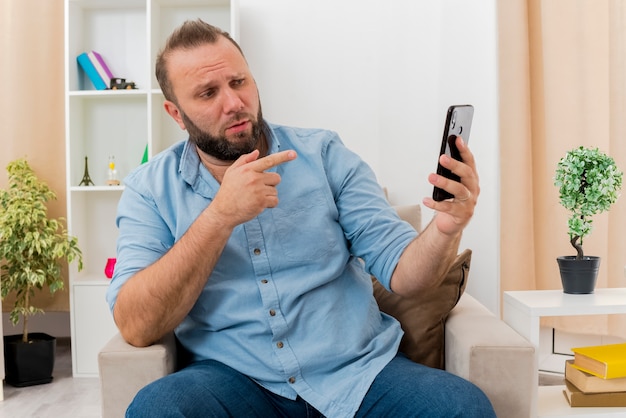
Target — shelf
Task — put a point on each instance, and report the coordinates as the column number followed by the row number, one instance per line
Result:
column 557, row 303
column 114, row 29
column 552, row 403
column 96, row 189
column 117, row 126
column 107, row 4
column 186, row 3
column 120, row 123
column 92, row 281
column 103, row 94
column 523, row 310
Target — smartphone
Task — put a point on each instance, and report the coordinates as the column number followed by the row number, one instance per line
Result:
column 458, row 123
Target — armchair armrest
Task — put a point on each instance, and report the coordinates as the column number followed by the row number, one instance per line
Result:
column 486, row 351
column 125, row 369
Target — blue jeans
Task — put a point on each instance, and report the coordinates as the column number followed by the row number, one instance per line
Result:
column 402, row 389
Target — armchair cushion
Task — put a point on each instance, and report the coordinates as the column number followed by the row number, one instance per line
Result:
column 423, row 317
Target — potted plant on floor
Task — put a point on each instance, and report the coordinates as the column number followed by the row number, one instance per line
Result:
column 589, row 183
column 32, row 248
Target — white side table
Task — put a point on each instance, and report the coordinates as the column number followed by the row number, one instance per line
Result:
column 522, row 310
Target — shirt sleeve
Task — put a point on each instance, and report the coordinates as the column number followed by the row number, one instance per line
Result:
column 372, row 227
column 143, row 237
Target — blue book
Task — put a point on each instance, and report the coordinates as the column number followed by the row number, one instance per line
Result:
column 90, row 70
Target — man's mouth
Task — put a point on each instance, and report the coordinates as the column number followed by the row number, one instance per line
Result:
column 238, row 127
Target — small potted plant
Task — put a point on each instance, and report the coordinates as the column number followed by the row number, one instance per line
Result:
column 32, row 248
column 589, row 183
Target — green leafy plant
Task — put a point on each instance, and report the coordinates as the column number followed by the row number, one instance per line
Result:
column 589, row 183
column 32, row 246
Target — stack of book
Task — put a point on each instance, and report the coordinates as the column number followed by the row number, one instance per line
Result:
column 596, row 376
column 96, row 69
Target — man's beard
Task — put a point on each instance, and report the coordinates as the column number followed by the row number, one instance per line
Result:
column 221, row 147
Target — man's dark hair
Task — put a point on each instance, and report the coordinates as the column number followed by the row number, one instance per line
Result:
column 192, row 33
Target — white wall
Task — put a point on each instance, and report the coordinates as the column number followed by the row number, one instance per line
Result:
column 382, row 74
column 56, row 324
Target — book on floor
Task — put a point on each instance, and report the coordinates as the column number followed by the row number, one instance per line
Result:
column 588, row 383
column 577, row 398
column 606, row 361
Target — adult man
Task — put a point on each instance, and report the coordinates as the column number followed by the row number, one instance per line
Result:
column 244, row 240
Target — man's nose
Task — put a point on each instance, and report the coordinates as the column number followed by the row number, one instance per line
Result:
column 231, row 101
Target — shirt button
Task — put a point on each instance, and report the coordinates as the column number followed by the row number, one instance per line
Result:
column 272, row 312
column 264, row 281
column 280, row 344
column 292, row 380
column 257, row 251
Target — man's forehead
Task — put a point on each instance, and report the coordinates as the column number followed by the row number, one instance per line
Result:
column 221, row 46
column 199, row 67
column 207, row 55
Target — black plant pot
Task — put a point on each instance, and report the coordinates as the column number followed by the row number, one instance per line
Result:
column 578, row 276
column 30, row 363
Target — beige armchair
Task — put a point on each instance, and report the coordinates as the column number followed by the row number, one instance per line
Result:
column 476, row 345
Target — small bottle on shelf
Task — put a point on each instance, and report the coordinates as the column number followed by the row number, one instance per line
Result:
column 112, row 179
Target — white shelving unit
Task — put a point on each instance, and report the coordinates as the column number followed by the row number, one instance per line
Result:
column 100, row 123
column 523, row 311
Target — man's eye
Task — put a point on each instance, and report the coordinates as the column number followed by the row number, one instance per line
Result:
column 238, row 82
column 208, row 93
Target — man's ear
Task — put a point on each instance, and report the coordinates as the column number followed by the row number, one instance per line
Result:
column 173, row 111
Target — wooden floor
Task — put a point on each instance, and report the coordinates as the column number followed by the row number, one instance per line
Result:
column 64, row 397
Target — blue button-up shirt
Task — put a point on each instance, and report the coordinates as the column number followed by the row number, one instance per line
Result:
column 290, row 300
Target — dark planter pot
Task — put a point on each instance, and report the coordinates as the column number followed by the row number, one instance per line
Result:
column 578, row 276
column 31, row 363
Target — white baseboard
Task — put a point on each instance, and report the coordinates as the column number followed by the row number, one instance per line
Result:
column 56, row 324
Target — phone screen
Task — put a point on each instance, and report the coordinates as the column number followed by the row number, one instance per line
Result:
column 458, row 123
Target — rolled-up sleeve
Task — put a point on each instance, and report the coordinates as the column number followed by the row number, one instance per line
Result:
column 372, row 227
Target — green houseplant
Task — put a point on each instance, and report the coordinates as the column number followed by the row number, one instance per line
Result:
column 589, row 183
column 32, row 248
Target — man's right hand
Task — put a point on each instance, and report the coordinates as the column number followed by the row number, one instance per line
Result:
column 248, row 188
column 156, row 299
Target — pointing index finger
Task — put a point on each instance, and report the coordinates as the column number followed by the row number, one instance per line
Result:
column 273, row 160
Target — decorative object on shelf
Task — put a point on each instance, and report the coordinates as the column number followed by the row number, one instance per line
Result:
column 606, row 361
column 112, row 179
column 589, row 183
column 144, row 159
column 109, row 268
column 92, row 73
column 122, row 84
column 86, row 181
column 588, row 383
column 32, row 248
column 101, row 67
